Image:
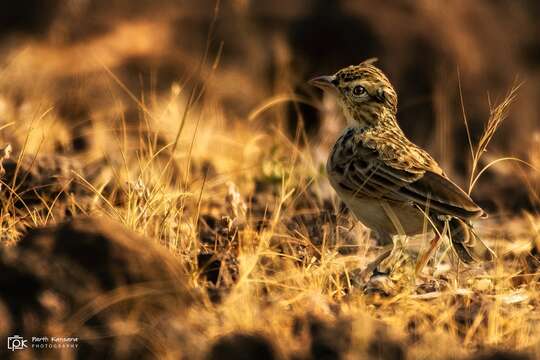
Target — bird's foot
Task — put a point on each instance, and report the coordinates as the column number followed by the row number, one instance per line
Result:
column 380, row 272
column 380, row 283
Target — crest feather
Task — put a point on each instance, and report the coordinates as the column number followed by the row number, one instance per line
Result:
column 369, row 61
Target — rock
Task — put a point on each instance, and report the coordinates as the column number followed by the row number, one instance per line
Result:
column 501, row 355
column 383, row 348
column 217, row 259
column 94, row 279
column 328, row 337
column 242, row 347
column 35, row 179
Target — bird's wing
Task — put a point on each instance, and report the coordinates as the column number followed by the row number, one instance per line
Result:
column 399, row 172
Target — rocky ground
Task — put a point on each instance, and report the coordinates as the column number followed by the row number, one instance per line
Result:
column 271, row 268
column 162, row 185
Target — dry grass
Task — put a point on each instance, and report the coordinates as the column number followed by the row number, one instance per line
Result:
column 264, row 244
column 256, row 184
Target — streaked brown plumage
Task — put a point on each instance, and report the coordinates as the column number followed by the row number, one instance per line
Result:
column 390, row 184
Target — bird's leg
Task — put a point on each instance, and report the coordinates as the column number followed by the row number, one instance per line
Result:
column 386, row 265
column 380, row 281
column 371, row 268
column 422, row 261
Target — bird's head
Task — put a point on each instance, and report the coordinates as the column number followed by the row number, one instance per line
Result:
column 363, row 92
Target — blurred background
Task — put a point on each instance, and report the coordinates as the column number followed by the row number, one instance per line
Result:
column 90, row 61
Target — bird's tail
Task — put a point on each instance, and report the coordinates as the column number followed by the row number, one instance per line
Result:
column 467, row 244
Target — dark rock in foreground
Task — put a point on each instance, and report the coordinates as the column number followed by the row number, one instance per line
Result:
column 242, row 346
column 92, row 279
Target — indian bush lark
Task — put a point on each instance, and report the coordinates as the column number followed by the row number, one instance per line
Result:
column 390, row 184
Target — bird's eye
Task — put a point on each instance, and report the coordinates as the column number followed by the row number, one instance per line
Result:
column 358, row 90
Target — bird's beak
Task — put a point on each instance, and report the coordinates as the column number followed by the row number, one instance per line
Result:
column 323, row 82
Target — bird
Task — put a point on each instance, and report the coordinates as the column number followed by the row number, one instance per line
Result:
column 390, row 184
